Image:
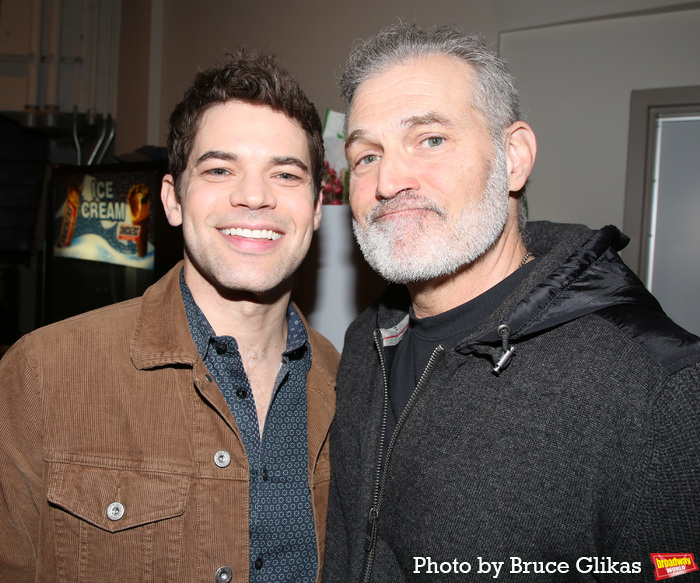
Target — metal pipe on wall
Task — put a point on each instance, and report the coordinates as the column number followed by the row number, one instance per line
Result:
column 110, row 105
column 34, row 57
column 90, row 28
column 78, row 55
column 53, row 56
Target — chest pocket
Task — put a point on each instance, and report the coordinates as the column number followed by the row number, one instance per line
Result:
column 117, row 524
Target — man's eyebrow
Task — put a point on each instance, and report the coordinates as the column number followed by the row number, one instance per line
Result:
column 230, row 157
column 289, row 160
column 353, row 137
column 217, row 155
column 427, row 119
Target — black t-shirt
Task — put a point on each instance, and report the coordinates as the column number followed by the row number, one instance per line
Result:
column 449, row 328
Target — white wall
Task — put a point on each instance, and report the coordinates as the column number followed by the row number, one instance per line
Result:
column 575, row 82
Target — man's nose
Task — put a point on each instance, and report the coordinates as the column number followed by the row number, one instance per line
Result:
column 254, row 192
column 395, row 174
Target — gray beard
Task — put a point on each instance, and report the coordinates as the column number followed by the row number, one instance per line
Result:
column 413, row 249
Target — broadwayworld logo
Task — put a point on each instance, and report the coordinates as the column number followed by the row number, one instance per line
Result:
column 667, row 565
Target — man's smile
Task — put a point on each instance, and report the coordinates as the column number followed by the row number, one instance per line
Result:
column 252, row 233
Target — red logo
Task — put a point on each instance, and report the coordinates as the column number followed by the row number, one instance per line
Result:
column 128, row 232
column 667, row 565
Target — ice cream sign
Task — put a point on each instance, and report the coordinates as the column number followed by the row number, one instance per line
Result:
column 105, row 217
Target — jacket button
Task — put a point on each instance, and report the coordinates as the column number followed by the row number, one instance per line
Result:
column 223, row 575
column 222, row 458
column 115, row 511
column 208, row 377
column 258, row 563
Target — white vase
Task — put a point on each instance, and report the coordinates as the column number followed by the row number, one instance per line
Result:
column 334, row 284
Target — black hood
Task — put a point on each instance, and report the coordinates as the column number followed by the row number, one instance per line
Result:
column 578, row 272
column 592, row 278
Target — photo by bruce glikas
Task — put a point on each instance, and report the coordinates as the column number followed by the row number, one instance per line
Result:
column 518, row 566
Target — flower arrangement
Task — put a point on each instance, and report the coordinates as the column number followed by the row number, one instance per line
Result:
column 335, row 185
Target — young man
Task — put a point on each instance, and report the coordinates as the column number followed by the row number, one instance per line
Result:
column 182, row 436
column 518, row 397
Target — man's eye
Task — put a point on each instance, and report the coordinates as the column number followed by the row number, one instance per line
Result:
column 369, row 159
column 288, row 176
column 217, row 172
column 433, row 141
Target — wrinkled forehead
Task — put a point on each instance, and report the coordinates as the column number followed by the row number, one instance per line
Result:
column 433, row 83
column 460, row 68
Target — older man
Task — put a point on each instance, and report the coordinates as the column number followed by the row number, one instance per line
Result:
column 516, row 405
column 182, row 436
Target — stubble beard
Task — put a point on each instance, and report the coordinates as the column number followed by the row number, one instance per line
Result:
column 411, row 249
column 233, row 279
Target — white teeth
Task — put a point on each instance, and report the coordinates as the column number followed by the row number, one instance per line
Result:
column 253, row 233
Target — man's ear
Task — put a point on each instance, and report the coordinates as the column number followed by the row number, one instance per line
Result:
column 317, row 211
column 171, row 203
column 521, row 150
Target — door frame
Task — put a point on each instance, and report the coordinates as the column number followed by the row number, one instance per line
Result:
column 646, row 106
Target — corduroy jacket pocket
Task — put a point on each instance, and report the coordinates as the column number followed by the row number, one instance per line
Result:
column 117, row 523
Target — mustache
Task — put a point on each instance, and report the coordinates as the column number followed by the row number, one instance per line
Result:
column 406, row 201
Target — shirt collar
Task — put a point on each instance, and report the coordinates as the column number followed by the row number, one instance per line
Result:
column 202, row 332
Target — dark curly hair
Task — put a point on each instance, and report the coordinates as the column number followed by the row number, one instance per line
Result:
column 251, row 78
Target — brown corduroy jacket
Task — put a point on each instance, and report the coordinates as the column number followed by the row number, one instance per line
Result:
column 109, row 428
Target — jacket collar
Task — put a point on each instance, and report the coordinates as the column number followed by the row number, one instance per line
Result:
column 161, row 336
column 324, row 356
column 320, row 391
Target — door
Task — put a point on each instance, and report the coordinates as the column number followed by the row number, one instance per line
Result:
column 663, row 194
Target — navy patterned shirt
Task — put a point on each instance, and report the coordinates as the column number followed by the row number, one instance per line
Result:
column 282, row 536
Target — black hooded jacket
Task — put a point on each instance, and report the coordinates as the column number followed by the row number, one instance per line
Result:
column 561, row 440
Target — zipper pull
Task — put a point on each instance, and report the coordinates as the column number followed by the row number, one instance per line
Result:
column 371, row 535
column 504, row 360
column 506, row 351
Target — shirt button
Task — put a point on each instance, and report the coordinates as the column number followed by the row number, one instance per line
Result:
column 223, row 575
column 222, row 458
column 266, row 476
column 258, row 563
column 115, row 511
column 221, row 348
column 242, row 394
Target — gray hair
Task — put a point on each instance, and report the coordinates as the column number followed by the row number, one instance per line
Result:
column 494, row 96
